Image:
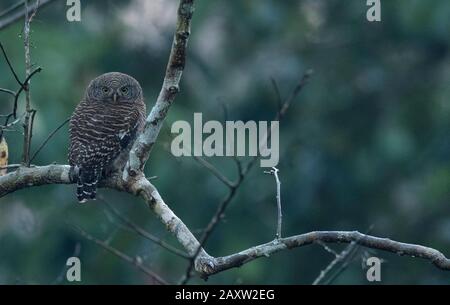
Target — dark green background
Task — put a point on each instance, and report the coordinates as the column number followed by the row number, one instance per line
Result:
column 367, row 142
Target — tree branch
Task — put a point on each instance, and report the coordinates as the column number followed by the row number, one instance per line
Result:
column 141, row 149
column 48, row 139
column 11, row 15
column 274, row 171
column 133, row 261
column 130, row 225
column 265, row 250
column 25, row 177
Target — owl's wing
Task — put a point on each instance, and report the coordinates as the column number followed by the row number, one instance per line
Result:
column 125, row 138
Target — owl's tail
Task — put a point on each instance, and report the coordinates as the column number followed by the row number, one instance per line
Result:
column 87, row 185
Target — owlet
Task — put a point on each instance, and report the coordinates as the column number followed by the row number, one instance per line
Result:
column 103, row 128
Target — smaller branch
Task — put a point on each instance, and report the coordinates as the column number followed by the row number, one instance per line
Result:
column 134, row 261
column 214, row 171
column 38, row 69
column 9, row 16
column 352, row 251
column 206, row 234
column 8, row 91
column 10, row 66
column 10, row 166
column 242, row 174
column 21, row 89
column 48, row 138
column 328, row 249
column 339, row 257
column 282, row 112
column 224, row 110
column 38, row 2
column 29, row 113
column 348, row 256
column 62, row 273
column 139, row 230
column 295, row 92
column 274, row 171
column 9, row 124
column 277, row 94
column 12, row 8
column 240, row 170
column 16, row 95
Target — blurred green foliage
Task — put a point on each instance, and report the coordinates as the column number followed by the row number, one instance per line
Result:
column 367, row 142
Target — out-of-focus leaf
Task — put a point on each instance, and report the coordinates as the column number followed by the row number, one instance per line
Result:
column 3, row 156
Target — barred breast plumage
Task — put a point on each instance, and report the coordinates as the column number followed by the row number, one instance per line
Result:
column 103, row 128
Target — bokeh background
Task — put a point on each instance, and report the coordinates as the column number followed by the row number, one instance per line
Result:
column 365, row 144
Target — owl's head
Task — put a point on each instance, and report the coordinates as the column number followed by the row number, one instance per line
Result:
column 114, row 87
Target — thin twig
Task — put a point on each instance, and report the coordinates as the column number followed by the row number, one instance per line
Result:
column 344, row 258
column 274, row 171
column 48, row 138
column 10, row 66
column 139, row 230
column 294, row 93
column 22, row 88
column 134, row 261
column 277, row 94
column 213, row 170
column 207, row 232
column 326, row 248
column 353, row 250
column 10, row 16
column 8, row 91
column 12, row 8
column 76, row 253
column 243, row 171
column 16, row 95
column 347, row 259
column 338, row 258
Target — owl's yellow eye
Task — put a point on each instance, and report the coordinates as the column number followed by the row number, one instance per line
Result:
column 124, row 90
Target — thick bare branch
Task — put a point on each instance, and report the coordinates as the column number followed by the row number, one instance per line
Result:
column 25, row 177
column 142, row 147
column 265, row 250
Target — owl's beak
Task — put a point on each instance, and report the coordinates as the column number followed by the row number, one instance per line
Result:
column 115, row 97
